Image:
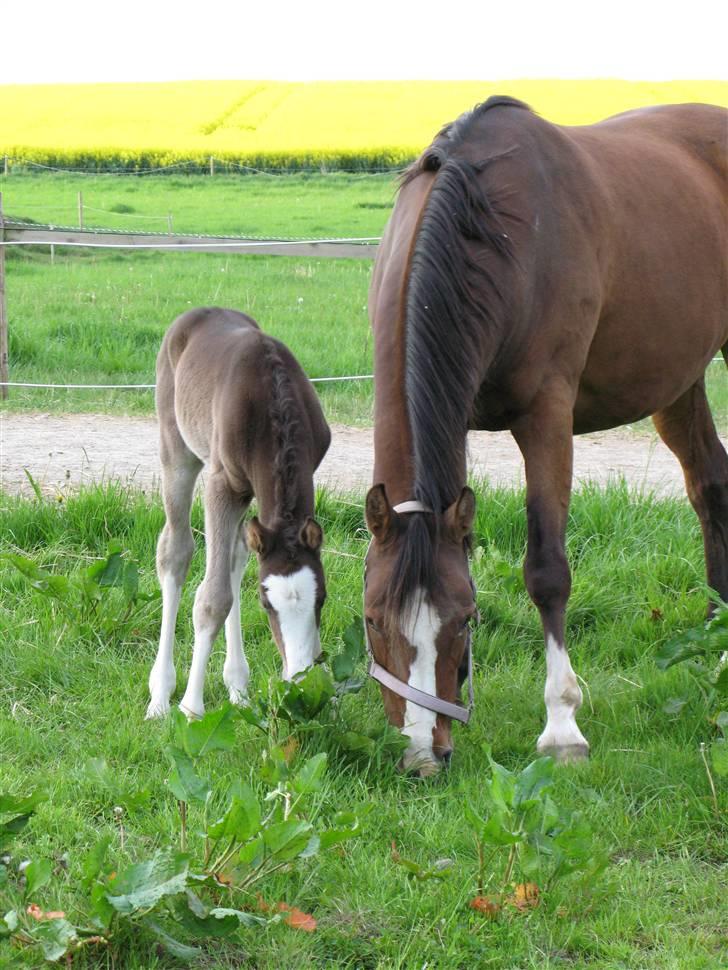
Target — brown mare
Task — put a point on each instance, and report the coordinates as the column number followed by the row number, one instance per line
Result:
column 551, row 281
column 236, row 401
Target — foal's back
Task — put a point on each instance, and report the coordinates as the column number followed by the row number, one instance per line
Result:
column 215, row 374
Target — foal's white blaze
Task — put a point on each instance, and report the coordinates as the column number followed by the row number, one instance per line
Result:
column 420, row 628
column 293, row 598
column 563, row 699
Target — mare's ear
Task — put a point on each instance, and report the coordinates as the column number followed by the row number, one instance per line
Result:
column 460, row 515
column 258, row 538
column 379, row 513
column 311, row 534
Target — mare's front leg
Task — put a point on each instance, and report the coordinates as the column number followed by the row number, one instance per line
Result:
column 236, row 672
column 214, row 597
column 545, row 439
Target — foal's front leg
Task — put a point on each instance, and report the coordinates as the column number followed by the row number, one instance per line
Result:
column 236, row 672
column 214, row 597
column 180, row 469
column 545, row 440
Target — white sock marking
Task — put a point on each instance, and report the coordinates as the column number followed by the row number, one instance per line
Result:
column 293, row 598
column 421, row 628
column 162, row 675
column 563, row 699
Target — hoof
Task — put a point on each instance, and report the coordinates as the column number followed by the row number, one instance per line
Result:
column 156, row 710
column 238, row 697
column 189, row 713
column 566, row 753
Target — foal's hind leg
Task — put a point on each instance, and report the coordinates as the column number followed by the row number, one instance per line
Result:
column 687, row 429
column 235, row 673
column 545, row 440
column 214, row 598
column 180, row 469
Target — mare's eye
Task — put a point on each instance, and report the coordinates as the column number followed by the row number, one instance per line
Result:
column 466, row 623
column 372, row 625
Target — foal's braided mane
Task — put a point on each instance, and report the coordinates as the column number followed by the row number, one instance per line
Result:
column 453, row 320
column 285, row 426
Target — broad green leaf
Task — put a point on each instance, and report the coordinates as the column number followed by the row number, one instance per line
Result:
column 501, row 785
column 721, row 682
column 9, row 923
column 130, row 581
column 100, row 911
column 40, row 579
column 533, row 780
column 56, row 937
column 252, row 716
column 495, row 832
column 214, row 731
column 719, row 757
column 244, row 919
column 184, row 782
column 344, row 664
column 252, row 853
column 286, row 840
column 307, row 695
column 143, row 884
column 22, row 804
column 357, row 743
column 37, row 874
column 683, row 647
column 242, row 819
column 308, row 778
column 274, row 768
column 192, row 913
column 180, row 950
column 346, row 826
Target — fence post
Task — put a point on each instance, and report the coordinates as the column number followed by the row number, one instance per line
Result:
column 212, row 165
column 7, row 166
column 169, row 223
column 80, row 211
column 4, row 376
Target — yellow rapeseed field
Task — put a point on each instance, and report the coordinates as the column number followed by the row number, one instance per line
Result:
column 339, row 124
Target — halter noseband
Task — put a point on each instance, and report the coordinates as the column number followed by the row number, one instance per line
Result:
column 429, row 701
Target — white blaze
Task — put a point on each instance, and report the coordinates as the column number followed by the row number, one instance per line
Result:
column 421, row 627
column 294, row 600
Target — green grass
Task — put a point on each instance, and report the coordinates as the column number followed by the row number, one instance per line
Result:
column 91, row 317
column 638, row 579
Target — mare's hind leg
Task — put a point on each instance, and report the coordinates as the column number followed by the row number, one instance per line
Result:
column 235, row 673
column 214, row 598
column 545, row 440
column 180, row 469
column 687, row 429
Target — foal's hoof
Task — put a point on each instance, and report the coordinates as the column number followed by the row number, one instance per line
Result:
column 238, row 697
column 566, row 754
column 190, row 713
column 156, row 710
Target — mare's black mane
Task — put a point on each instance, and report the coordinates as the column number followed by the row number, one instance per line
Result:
column 453, row 309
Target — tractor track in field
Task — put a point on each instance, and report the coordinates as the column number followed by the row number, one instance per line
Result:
column 64, row 452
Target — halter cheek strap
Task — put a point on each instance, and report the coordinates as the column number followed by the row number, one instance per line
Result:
column 422, row 699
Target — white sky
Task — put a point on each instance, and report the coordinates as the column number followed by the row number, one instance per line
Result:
column 131, row 40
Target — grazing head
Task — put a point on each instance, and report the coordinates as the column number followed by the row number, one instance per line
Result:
column 419, row 604
column 292, row 588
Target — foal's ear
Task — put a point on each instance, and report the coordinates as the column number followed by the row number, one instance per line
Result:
column 379, row 513
column 460, row 515
column 311, row 534
column 258, row 537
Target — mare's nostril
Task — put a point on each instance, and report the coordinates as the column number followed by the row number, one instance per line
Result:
column 446, row 756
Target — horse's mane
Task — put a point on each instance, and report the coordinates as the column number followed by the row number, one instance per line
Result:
column 285, row 424
column 453, row 309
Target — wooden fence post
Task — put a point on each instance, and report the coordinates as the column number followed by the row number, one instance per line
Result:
column 212, row 165
column 7, row 166
column 4, row 376
column 80, row 211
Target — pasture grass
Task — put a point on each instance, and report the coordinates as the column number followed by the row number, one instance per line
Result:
column 638, row 580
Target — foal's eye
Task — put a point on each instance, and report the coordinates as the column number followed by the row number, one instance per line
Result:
column 465, row 624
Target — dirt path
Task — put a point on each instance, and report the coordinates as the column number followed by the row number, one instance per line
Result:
column 65, row 451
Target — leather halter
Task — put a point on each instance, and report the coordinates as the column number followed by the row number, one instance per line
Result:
column 422, row 699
